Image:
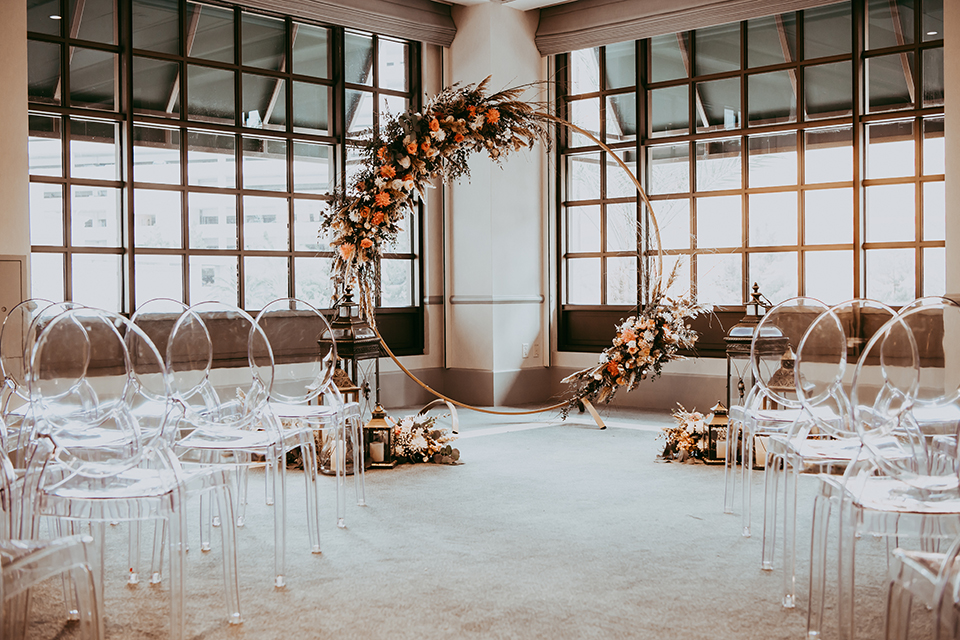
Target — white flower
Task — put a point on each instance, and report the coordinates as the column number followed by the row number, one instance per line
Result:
column 408, row 184
column 379, row 182
column 476, row 123
column 396, row 185
column 438, row 135
column 404, row 162
column 354, row 216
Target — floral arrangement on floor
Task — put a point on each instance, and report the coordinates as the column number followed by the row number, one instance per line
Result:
column 417, row 439
column 413, row 149
column 643, row 344
column 689, row 438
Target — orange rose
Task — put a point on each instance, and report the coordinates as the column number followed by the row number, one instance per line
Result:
column 365, row 212
column 613, row 368
column 377, row 218
column 425, row 146
column 387, row 171
column 382, row 199
column 458, row 137
column 381, row 152
column 472, row 110
column 493, row 116
column 366, row 243
column 434, row 125
column 412, row 148
column 346, row 250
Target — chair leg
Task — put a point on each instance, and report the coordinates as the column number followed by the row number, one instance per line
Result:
column 228, row 536
column 846, row 565
column 279, row 515
column 729, row 467
column 178, row 535
column 133, row 553
column 308, row 452
column 791, row 471
column 358, row 479
column 771, row 483
column 339, row 454
column 899, row 603
column 818, row 569
column 159, row 542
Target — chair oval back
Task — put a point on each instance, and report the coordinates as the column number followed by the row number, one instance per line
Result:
column 84, row 391
column 292, row 326
column 155, row 318
column 780, row 329
column 17, row 335
column 823, row 369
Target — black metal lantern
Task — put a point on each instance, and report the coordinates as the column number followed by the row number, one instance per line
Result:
column 717, row 435
column 356, row 341
column 378, row 440
column 739, row 340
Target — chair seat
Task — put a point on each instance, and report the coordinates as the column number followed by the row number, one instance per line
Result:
column 236, row 440
column 292, row 411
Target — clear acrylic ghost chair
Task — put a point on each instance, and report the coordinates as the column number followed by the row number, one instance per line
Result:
column 25, row 563
column 902, row 485
column 821, row 439
column 292, row 325
column 783, row 327
column 226, row 430
column 113, row 459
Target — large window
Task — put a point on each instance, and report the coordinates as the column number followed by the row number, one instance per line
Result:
column 767, row 156
column 186, row 150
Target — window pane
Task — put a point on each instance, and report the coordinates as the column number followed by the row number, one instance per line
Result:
column 314, row 284
column 719, row 278
column 619, row 181
column 393, row 64
column 390, row 107
column 265, row 224
column 776, row 273
column 94, row 151
column 829, row 275
column 311, row 108
column 311, row 50
column 97, row 281
column 718, row 222
column 583, row 281
column 396, row 283
column 43, row 72
column 772, row 97
column 668, row 57
column 621, row 118
column 828, row 216
column 890, row 82
column 932, row 77
column 586, row 115
column 773, row 220
column 46, row 146
column 214, row 39
column 583, row 229
column 264, row 42
column 359, row 113
column 94, row 20
column 669, row 168
column 306, row 227
column 934, row 271
column 583, row 177
column 156, row 26
column 891, row 275
column 210, row 94
column 95, row 216
column 890, row 213
column 404, row 241
column 718, row 49
column 158, row 277
column 622, row 227
column 46, row 214
column 934, row 211
column 772, row 40
column 43, row 16
column 933, row 149
column 213, row 222
column 93, row 79
column 828, row 155
column 213, row 278
column 264, row 103
column 718, row 164
column 46, row 276
column 826, row 31
column 721, row 104
column 157, row 219
column 669, row 111
column 156, row 155
column 890, row 149
column 354, row 163
column 621, row 65
column 621, row 281
column 773, row 160
column 211, row 159
column 680, row 265
column 358, row 58
column 156, row 87
column 584, row 71
column 889, row 23
column 312, row 167
column 673, row 218
column 932, row 27
column 827, row 91
column 264, row 280
column 264, row 164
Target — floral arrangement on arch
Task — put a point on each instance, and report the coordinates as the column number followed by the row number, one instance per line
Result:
column 643, row 344
column 689, row 438
column 413, row 149
column 418, row 439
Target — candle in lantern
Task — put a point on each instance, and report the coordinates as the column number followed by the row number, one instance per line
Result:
column 376, row 452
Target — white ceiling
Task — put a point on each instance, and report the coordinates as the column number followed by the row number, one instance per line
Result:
column 521, row 5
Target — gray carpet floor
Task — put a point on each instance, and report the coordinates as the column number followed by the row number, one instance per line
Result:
column 547, row 530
